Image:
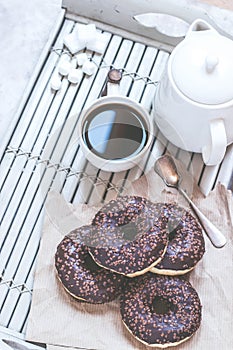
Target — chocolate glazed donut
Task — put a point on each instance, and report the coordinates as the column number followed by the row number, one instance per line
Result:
column 80, row 275
column 160, row 311
column 120, row 211
column 130, row 236
column 186, row 244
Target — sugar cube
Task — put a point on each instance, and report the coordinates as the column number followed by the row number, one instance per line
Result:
column 55, row 82
column 88, row 67
column 74, row 43
column 75, row 76
column 98, row 45
column 64, row 67
column 81, row 58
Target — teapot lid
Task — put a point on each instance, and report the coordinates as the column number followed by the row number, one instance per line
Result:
column 202, row 67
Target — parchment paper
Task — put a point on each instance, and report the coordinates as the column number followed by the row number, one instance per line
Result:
column 59, row 320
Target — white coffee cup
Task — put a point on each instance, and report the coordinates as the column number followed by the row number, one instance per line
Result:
column 115, row 132
column 193, row 106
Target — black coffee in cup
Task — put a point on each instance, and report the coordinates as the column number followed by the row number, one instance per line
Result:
column 116, row 132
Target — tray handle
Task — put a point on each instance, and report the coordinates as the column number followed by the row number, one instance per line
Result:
column 121, row 14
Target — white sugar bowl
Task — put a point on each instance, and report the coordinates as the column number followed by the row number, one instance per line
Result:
column 193, row 105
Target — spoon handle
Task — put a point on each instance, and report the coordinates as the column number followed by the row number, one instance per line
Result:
column 216, row 237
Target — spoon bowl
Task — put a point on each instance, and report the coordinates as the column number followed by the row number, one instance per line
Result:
column 166, row 168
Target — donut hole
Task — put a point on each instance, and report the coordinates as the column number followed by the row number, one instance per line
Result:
column 172, row 235
column 162, row 306
column 173, row 224
column 129, row 231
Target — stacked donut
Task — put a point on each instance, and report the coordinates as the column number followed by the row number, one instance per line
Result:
column 135, row 249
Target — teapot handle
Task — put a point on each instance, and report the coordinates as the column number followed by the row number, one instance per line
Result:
column 199, row 25
column 214, row 152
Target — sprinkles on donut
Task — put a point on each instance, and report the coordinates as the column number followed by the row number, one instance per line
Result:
column 120, row 211
column 130, row 236
column 186, row 244
column 80, row 275
column 160, row 311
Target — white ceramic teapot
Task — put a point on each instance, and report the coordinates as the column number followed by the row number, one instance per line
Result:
column 193, row 105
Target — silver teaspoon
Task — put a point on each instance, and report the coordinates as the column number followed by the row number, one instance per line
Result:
column 165, row 167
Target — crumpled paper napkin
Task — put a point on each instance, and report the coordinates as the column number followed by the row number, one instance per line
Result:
column 65, row 324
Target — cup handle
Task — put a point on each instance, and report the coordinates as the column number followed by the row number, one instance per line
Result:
column 214, row 152
column 113, row 89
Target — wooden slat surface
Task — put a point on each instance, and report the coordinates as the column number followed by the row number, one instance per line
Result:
column 43, row 153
